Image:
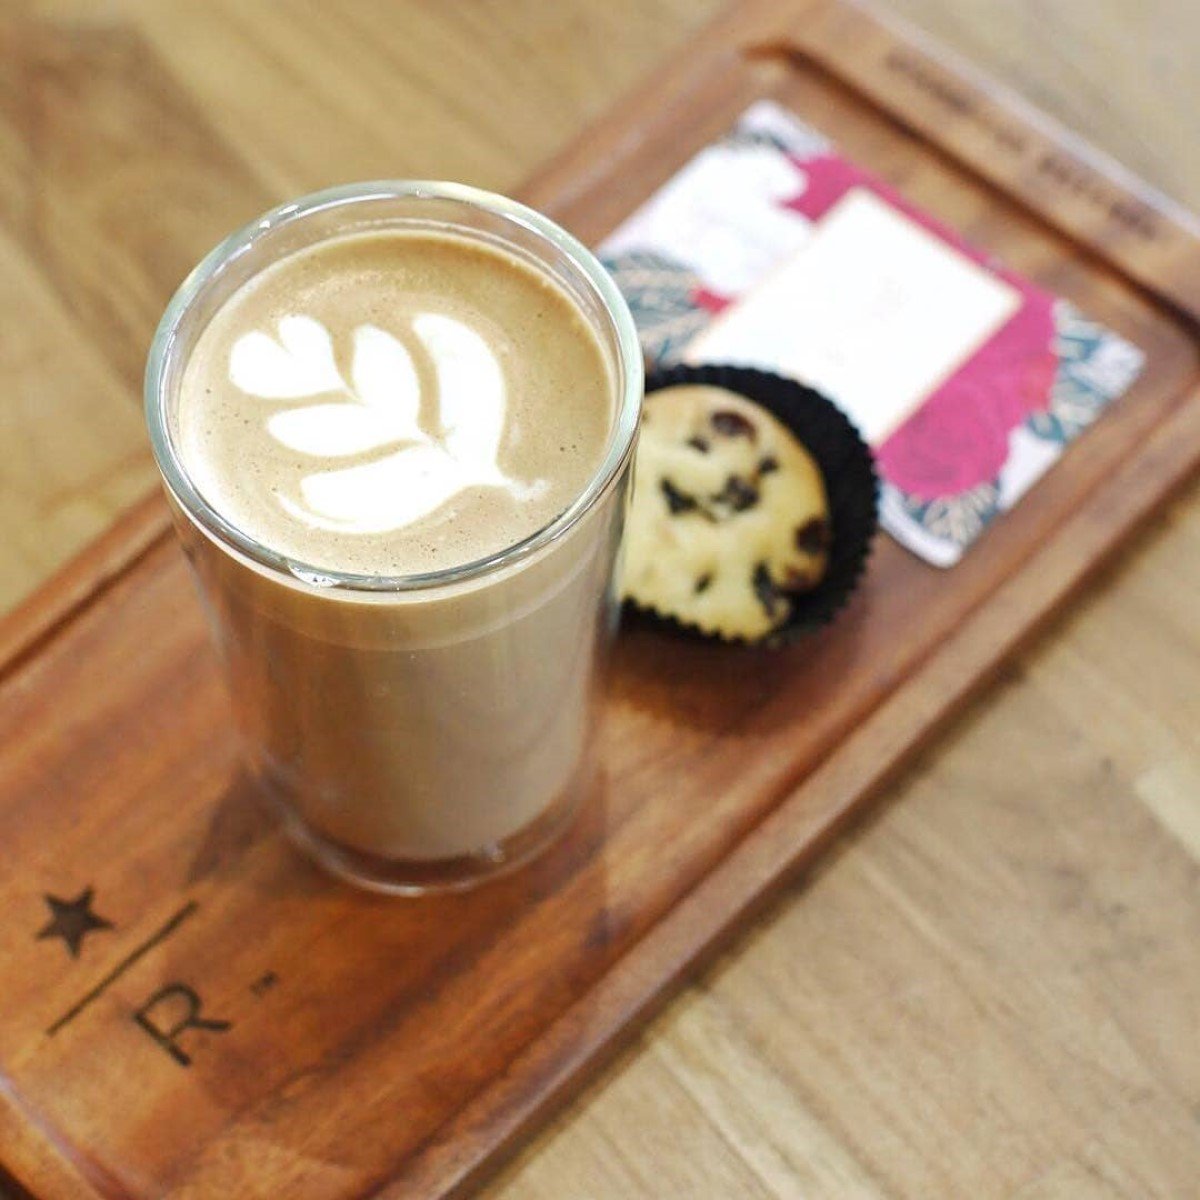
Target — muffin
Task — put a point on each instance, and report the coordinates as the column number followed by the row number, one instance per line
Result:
column 754, row 506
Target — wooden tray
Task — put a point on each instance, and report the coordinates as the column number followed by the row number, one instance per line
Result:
column 246, row 1027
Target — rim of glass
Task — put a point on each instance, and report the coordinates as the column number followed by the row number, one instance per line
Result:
column 620, row 444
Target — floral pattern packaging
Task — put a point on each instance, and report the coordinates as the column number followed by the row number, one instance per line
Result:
column 769, row 249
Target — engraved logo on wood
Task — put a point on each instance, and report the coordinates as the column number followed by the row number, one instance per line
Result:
column 171, row 1012
column 72, row 920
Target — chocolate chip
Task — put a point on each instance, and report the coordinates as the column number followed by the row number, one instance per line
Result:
column 798, row 581
column 766, row 590
column 677, row 501
column 702, row 583
column 738, row 494
column 732, row 424
column 813, row 536
column 767, row 465
column 698, row 443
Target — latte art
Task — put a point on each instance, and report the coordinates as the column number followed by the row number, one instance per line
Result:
column 378, row 410
column 388, row 403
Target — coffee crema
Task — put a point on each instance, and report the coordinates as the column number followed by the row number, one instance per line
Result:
column 391, row 403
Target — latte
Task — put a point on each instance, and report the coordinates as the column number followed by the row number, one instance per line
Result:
column 396, row 426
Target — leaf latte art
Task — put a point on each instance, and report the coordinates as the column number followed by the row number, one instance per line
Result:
column 398, row 473
column 394, row 403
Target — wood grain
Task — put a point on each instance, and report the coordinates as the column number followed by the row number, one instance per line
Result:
column 766, row 1042
column 1012, row 944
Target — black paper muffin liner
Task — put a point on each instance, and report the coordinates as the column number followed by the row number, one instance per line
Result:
column 851, row 484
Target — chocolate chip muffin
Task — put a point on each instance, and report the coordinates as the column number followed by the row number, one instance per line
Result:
column 729, row 519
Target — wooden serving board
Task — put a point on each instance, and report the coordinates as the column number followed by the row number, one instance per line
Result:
column 244, row 1026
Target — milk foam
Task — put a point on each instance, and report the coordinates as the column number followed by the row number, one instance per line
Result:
column 390, row 402
column 379, row 409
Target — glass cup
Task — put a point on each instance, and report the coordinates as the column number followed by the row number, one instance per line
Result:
column 426, row 730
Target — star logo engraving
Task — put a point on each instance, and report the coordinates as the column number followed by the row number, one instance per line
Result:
column 72, row 920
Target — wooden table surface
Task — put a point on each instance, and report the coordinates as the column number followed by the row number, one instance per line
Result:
column 991, row 989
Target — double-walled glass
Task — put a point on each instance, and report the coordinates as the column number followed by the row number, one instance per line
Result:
column 422, row 730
